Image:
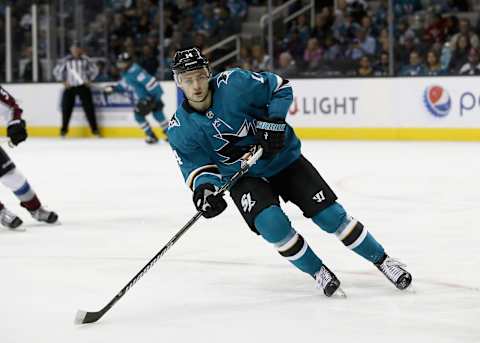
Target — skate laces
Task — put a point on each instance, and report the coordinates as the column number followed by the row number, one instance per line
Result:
column 392, row 268
column 323, row 278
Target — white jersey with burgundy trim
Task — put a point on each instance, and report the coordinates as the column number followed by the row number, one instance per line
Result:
column 9, row 108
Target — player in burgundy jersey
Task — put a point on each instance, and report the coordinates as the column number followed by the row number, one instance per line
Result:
column 10, row 176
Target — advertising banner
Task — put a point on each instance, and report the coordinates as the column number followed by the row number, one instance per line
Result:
column 449, row 102
column 446, row 108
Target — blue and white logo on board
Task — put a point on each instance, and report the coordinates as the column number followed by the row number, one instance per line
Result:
column 437, row 100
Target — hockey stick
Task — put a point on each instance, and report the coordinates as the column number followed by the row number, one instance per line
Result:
column 84, row 317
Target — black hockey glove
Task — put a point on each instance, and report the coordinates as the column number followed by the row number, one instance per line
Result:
column 271, row 136
column 145, row 106
column 206, row 201
column 17, row 131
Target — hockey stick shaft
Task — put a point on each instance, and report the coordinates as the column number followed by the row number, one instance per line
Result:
column 83, row 317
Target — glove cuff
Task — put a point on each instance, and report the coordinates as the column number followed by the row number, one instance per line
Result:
column 271, row 126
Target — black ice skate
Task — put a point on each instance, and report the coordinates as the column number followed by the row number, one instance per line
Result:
column 151, row 140
column 328, row 282
column 395, row 272
column 43, row 215
column 9, row 219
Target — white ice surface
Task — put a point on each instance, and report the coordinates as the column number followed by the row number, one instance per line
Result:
column 120, row 201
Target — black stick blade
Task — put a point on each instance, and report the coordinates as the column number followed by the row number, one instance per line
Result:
column 84, row 317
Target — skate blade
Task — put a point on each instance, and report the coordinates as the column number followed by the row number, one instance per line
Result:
column 339, row 293
column 17, row 229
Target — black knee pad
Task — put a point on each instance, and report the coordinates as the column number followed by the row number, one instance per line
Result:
column 251, row 196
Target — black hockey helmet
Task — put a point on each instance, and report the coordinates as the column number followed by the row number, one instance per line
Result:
column 123, row 60
column 188, row 60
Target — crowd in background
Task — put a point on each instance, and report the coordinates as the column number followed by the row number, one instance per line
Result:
column 431, row 37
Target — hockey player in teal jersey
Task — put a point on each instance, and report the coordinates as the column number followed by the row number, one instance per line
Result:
column 147, row 95
column 220, row 120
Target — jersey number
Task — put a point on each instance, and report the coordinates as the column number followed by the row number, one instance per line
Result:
column 257, row 76
column 179, row 160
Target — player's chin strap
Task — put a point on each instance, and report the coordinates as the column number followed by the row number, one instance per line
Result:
column 248, row 160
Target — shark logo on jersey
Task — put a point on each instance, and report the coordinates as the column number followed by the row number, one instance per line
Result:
column 174, row 122
column 223, row 77
column 230, row 151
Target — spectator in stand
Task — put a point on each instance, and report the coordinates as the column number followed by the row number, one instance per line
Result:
column 433, row 66
column 406, row 7
column 451, row 26
column 364, row 67
column 415, row 67
column 383, row 42
column 238, row 10
column 381, row 68
column 260, row 61
column 435, row 27
column 189, row 9
column 342, row 27
column 286, row 65
column 357, row 9
column 367, row 25
column 472, row 67
column 362, row 45
column 303, row 28
column 323, row 24
column 459, row 54
column 380, row 17
column 402, row 29
column 120, row 26
column 464, row 27
column 170, row 20
column 27, row 74
column 313, row 54
column 148, row 61
column 294, row 44
column 153, row 42
column 206, row 22
column 333, row 51
column 367, row 42
column 142, row 28
column 187, row 31
column 404, row 50
column 225, row 21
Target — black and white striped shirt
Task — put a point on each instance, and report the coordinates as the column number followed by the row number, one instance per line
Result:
column 75, row 71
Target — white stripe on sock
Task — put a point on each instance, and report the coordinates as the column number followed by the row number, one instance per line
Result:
column 359, row 240
column 290, row 243
column 300, row 253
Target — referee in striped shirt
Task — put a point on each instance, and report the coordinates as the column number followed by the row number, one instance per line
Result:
column 76, row 71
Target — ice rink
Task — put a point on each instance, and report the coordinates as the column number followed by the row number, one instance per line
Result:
column 120, row 201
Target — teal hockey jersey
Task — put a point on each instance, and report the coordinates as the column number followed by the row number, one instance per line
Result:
column 136, row 80
column 209, row 145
